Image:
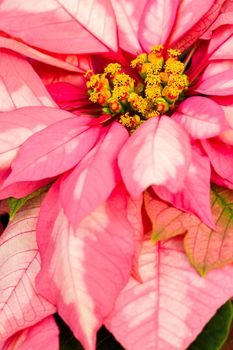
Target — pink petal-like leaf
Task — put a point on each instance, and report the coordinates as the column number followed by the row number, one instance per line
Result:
column 224, row 18
column 69, row 91
column 195, row 196
column 20, row 304
column 200, row 27
column 220, row 84
column 158, row 153
column 94, row 178
column 128, row 17
column 84, row 270
column 65, row 93
column 21, row 189
column 218, row 180
column 171, row 305
column 227, row 137
column 28, row 51
column 189, row 13
column 22, row 87
column 217, row 67
column 163, row 14
column 43, row 335
column 18, row 125
column 226, row 104
column 224, row 52
column 208, row 249
column 220, row 44
column 228, row 6
column 50, row 75
column 54, row 150
column 201, row 117
column 61, row 26
column 134, row 215
column 220, row 156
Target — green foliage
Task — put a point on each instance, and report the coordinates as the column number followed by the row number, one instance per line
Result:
column 207, row 248
column 16, row 204
column 215, row 333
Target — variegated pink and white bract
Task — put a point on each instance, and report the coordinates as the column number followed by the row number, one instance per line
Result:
column 97, row 264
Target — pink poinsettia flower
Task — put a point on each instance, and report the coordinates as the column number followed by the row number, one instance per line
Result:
column 176, row 160
column 90, row 231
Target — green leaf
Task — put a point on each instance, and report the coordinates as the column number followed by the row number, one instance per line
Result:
column 207, row 248
column 228, row 345
column 16, row 204
column 215, row 333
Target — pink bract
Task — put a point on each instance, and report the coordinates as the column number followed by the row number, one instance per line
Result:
column 177, row 301
column 21, row 304
column 42, row 335
column 85, row 280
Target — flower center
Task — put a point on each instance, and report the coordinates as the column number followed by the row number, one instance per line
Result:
column 162, row 85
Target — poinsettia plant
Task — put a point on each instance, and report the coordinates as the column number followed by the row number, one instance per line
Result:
column 116, row 171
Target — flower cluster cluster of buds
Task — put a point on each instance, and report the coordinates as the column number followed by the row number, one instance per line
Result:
column 161, row 84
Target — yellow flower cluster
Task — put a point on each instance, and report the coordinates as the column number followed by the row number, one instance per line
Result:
column 131, row 102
